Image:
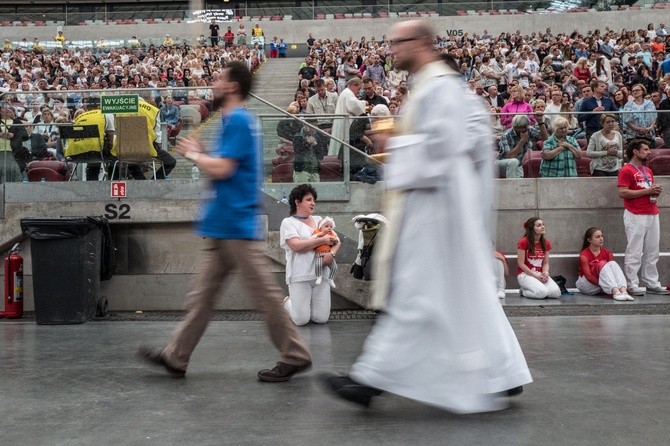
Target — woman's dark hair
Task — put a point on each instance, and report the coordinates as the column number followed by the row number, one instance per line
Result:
column 587, row 235
column 299, row 193
column 530, row 235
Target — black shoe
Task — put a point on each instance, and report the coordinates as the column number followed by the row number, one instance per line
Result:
column 515, row 391
column 282, row 372
column 350, row 390
column 154, row 356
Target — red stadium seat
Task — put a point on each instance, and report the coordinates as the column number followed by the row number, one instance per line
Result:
column 531, row 164
column 584, row 167
column 50, row 171
column 660, row 165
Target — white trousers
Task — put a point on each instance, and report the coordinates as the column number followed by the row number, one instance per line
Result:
column 534, row 289
column 643, row 234
column 308, row 301
column 611, row 276
column 499, row 270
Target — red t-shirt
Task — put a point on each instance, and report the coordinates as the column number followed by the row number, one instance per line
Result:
column 533, row 261
column 590, row 264
column 657, row 47
column 633, row 177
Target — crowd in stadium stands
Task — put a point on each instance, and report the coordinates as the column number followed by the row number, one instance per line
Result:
column 555, row 81
column 40, row 85
column 542, row 76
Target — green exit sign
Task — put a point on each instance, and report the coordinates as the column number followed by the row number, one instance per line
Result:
column 123, row 103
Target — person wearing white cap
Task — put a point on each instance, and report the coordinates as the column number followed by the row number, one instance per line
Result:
column 324, row 228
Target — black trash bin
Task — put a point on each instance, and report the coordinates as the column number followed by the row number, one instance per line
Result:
column 69, row 256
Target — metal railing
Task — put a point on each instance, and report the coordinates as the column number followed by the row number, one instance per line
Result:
column 336, row 150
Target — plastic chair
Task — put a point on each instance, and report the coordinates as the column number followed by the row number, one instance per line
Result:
column 133, row 144
column 87, row 131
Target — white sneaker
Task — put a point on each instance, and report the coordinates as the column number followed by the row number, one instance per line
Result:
column 619, row 297
column 659, row 290
column 635, row 291
column 285, row 300
column 331, row 282
column 628, row 296
column 501, row 294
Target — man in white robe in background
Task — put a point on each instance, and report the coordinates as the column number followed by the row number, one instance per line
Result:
column 347, row 104
column 444, row 339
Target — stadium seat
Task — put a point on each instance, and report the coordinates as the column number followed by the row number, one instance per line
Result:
column 331, row 169
column 50, row 170
column 190, row 115
column 531, row 164
column 660, row 165
column 584, row 167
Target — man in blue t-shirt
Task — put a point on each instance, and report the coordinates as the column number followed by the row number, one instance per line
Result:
column 282, row 47
column 230, row 222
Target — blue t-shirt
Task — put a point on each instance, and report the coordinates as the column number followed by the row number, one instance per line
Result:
column 233, row 210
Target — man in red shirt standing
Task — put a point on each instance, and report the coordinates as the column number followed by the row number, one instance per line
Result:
column 229, row 37
column 640, row 219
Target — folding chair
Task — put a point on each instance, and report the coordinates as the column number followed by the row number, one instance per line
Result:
column 132, row 137
column 88, row 131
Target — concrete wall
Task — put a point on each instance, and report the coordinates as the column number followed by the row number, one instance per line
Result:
column 158, row 252
column 296, row 31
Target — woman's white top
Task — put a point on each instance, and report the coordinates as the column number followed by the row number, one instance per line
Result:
column 300, row 266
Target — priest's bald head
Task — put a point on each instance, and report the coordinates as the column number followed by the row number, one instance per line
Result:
column 412, row 45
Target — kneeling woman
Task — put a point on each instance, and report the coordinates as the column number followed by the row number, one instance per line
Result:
column 598, row 272
column 307, row 300
column 533, row 263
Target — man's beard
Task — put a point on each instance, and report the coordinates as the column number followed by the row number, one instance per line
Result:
column 219, row 101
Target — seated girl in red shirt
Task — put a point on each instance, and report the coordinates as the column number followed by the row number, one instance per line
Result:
column 598, row 272
column 533, row 263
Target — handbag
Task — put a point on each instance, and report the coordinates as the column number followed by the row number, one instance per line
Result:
column 561, row 282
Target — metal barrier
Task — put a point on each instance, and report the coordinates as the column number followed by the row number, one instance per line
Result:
column 337, row 165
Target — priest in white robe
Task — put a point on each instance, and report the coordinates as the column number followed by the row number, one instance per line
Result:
column 347, row 104
column 444, row 339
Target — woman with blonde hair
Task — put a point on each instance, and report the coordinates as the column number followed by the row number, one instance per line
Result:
column 574, row 129
column 560, row 152
column 581, row 71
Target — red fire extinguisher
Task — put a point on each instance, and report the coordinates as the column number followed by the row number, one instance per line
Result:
column 13, row 284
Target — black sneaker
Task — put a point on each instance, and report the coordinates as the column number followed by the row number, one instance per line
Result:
column 515, row 391
column 282, row 372
column 154, row 356
column 350, row 390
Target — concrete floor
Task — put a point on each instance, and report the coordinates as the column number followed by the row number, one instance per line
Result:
column 598, row 380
